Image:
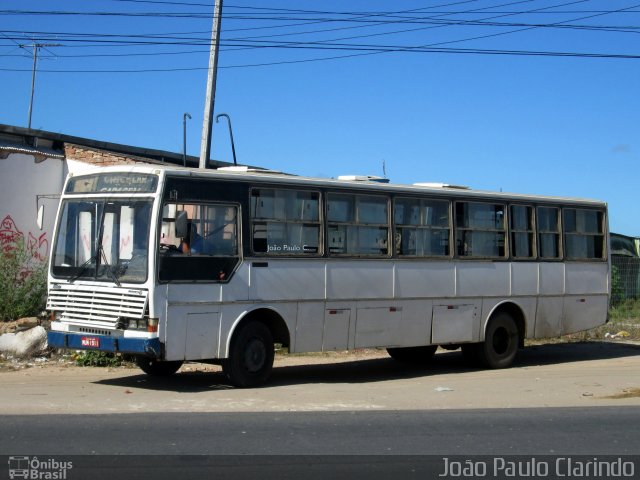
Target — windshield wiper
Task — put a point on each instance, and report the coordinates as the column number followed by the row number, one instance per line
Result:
column 84, row 267
column 106, row 263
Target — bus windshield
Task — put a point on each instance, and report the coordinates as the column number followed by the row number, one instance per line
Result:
column 103, row 239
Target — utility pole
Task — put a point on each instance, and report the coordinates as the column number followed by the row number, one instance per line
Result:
column 205, row 146
column 184, row 138
column 35, row 47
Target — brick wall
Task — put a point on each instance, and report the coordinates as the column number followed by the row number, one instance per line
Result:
column 102, row 158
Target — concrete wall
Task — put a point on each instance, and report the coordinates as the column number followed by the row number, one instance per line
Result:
column 23, row 179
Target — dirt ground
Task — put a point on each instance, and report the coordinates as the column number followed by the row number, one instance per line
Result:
column 555, row 374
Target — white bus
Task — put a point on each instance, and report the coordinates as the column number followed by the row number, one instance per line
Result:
column 174, row 265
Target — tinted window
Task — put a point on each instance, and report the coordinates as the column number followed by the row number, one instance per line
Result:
column 480, row 229
column 358, row 224
column 422, row 227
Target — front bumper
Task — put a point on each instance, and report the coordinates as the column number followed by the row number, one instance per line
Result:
column 150, row 347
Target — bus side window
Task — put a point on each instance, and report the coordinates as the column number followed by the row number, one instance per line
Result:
column 285, row 222
column 208, row 249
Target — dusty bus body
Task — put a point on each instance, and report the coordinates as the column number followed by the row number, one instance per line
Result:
column 172, row 265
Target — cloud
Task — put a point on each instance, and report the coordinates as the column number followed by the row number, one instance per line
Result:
column 623, row 148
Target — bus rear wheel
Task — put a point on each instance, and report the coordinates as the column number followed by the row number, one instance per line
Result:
column 251, row 355
column 413, row 355
column 501, row 342
column 156, row 368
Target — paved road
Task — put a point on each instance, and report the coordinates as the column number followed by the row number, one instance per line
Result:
column 558, row 399
column 551, row 431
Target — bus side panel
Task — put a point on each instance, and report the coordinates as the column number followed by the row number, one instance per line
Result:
column 431, row 279
column 309, row 327
column 203, row 330
column 551, row 288
column 524, row 279
column 403, row 324
column 192, row 323
column 279, row 279
column 456, row 321
column 549, row 316
column 377, row 326
column 483, row 279
column 587, row 278
column 587, row 302
column 584, row 312
column 363, row 279
column 415, row 328
column 238, row 287
column 552, row 279
column 338, row 326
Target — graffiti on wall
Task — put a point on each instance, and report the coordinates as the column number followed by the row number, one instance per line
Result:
column 11, row 238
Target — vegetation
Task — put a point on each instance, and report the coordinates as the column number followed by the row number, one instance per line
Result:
column 92, row 358
column 23, row 283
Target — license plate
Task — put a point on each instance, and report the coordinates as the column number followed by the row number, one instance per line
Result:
column 92, row 342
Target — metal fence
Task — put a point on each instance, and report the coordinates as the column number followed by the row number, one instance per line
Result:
column 625, row 279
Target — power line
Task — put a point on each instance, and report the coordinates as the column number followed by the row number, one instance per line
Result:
column 380, row 49
column 180, row 38
column 239, row 16
column 353, row 55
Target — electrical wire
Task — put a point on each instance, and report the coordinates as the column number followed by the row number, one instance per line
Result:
column 374, row 18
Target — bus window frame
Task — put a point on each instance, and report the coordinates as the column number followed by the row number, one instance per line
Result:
column 389, row 225
column 560, row 232
column 193, row 259
column 505, row 257
column 534, row 232
column 252, row 220
column 602, row 234
column 449, row 228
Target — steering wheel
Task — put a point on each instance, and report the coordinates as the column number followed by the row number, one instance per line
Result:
column 169, row 249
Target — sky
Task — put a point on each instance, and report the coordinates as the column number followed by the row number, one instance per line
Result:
column 530, row 96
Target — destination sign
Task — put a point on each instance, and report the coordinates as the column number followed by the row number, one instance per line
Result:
column 113, row 182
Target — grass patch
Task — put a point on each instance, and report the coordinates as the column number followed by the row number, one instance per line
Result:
column 90, row 358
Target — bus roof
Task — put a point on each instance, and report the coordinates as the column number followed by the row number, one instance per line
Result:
column 354, row 182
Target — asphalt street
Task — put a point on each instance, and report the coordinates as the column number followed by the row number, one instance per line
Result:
column 534, row 431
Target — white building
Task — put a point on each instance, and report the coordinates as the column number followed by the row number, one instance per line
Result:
column 33, row 167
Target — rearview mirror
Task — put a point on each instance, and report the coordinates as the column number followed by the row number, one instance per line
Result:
column 181, row 224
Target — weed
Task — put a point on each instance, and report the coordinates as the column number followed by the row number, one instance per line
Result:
column 23, row 283
column 92, row 358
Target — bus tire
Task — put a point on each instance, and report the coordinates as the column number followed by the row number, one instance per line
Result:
column 156, row 368
column 501, row 342
column 413, row 355
column 251, row 355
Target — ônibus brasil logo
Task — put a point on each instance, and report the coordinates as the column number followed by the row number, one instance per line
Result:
column 38, row 469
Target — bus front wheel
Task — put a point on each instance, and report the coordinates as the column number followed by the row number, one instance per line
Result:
column 251, row 355
column 500, row 344
column 155, row 368
column 413, row 355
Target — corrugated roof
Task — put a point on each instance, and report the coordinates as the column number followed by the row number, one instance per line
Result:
column 39, row 152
